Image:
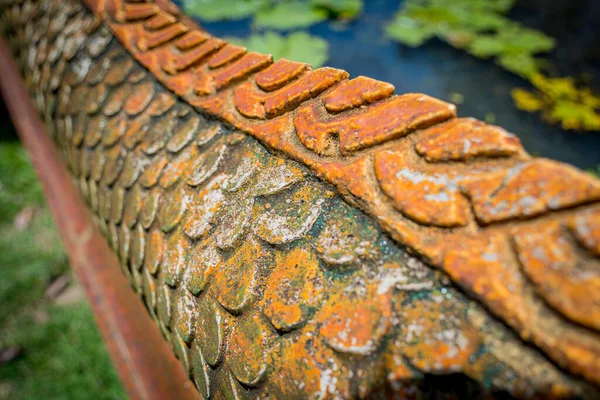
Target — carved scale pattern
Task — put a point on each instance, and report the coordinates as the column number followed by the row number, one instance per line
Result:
column 458, row 192
column 257, row 296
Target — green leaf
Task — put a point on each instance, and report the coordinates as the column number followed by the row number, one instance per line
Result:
column 486, row 46
column 409, row 32
column 524, row 64
column 574, row 115
column 218, row 10
column 343, row 9
column 298, row 46
column 289, row 15
column 528, row 40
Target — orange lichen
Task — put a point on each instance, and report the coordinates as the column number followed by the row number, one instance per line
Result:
column 354, row 321
column 462, row 139
column 294, row 290
column 355, row 93
column 254, row 104
column 280, row 74
column 226, row 55
column 550, row 262
column 379, row 123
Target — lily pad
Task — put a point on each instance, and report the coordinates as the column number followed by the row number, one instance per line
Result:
column 410, row 32
column 342, row 9
column 219, row 10
column 290, row 15
column 297, row 46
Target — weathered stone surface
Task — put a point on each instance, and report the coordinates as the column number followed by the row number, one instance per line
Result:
column 295, row 290
column 263, row 279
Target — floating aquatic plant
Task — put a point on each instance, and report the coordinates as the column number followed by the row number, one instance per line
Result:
column 274, row 14
column 561, row 101
column 481, row 28
column 297, row 46
column 290, row 15
column 341, row 9
column 280, row 15
column 219, row 10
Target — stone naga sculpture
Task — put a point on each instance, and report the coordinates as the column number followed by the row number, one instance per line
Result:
column 299, row 234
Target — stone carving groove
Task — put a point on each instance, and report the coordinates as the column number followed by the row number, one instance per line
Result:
column 197, row 212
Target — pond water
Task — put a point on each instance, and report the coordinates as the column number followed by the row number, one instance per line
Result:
column 439, row 70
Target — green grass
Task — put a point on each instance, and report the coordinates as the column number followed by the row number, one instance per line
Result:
column 62, row 353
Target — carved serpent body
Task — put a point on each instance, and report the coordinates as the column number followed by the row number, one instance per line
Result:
column 298, row 234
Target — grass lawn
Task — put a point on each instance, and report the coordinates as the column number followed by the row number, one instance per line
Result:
column 50, row 347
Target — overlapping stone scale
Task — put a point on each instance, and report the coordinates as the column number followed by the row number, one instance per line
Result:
column 346, row 236
column 275, row 178
column 137, row 247
column 235, row 223
column 181, row 351
column 294, row 290
column 184, row 133
column 203, row 263
column 211, row 327
column 117, row 205
column 149, row 208
column 115, row 159
column 303, row 366
column 97, row 162
column 163, row 305
column 172, row 208
column 290, row 216
column 355, row 317
column 157, row 136
column 153, row 171
column 204, row 206
column 179, row 168
column 96, row 127
column 206, row 164
column 133, row 167
column 154, row 251
column 186, row 311
column 237, row 283
column 248, row 348
column 124, row 244
column 174, row 261
column 246, row 161
column 201, row 372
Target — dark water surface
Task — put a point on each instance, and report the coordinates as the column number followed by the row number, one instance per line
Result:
column 439, row 70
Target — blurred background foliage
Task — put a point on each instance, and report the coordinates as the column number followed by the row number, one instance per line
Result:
column 482, row 28
column 270, row 16
column 50, row 347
